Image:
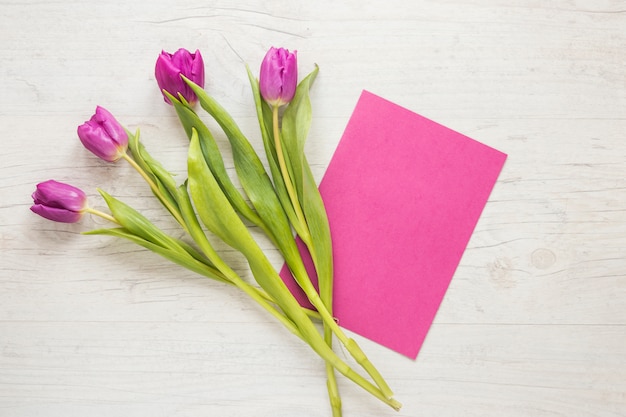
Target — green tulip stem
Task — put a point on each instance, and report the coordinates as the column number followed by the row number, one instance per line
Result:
column 351, row 345
column 155, row 189
column 331, row 382
column 258, row 295
column 264, row 300
column 285, row 172
column 101, row 214
column 322, row 349
column 197, row 234
column 325, row 352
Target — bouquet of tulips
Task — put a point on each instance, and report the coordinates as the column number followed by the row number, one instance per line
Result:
column 281, row 205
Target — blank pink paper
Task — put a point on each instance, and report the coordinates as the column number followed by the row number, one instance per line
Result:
column 403, row 195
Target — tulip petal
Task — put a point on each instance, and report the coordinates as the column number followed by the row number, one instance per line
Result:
column 100, row 145
column 111, row 127
column 278, row 76
column 56, row 194
column 59, row 202
column 56, row 214
column 170, row 67
column 197, row 69
column 103, row 136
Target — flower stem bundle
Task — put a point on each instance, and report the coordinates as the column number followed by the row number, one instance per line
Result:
column 280, row 204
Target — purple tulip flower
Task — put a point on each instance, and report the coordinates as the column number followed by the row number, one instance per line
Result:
column 279, row 76
column 170, row 67
column 104, row 136
column 59, row 202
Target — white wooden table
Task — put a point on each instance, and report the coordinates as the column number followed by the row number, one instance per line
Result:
column 534, row 322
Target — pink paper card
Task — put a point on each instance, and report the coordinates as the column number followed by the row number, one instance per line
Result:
column 403, row 195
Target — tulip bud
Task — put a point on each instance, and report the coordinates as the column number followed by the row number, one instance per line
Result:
column 279, row 76
column 170, row 67
column 59, row 202
column 104, row 136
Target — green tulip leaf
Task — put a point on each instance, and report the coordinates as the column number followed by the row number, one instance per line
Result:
column 250, row 170
column 138, row 225
column 212, row 205
column 212, row 155
column 135, row 222
column 162, row 178
column 220, row 218
column 264, row 114
column 179, row 257
column 320, row 245
column 296, row 122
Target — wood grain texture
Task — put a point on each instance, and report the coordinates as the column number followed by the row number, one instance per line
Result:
column 534, row 322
